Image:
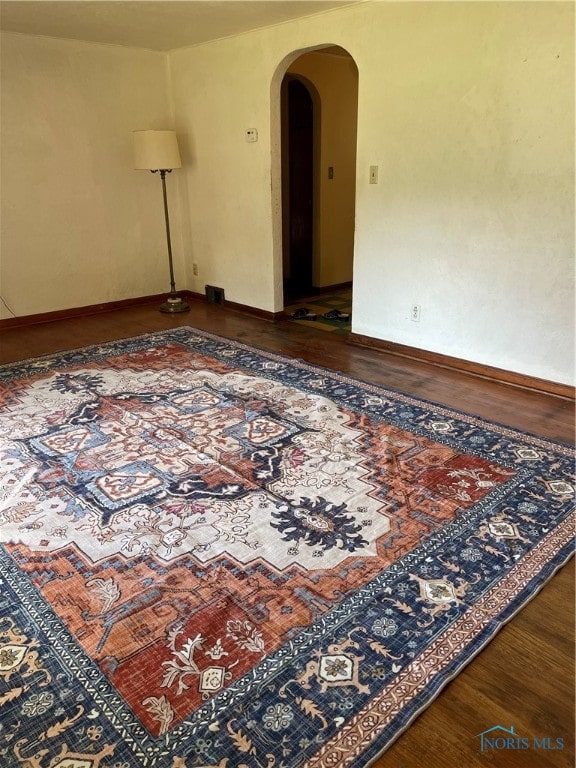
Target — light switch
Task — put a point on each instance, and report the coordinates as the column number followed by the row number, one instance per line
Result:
column 251, row 134
column 373, row 174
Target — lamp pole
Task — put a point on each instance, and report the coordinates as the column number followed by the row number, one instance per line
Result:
column 157, row 151
column 173, row 303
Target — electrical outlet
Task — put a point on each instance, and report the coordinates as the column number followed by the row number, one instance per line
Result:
column 195, row 269
column 415, row 313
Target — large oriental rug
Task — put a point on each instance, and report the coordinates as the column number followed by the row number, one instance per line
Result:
column 217, row 556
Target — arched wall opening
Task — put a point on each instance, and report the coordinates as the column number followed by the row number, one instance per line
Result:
column 330, row 75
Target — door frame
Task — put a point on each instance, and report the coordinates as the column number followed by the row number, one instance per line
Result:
column 276, row 167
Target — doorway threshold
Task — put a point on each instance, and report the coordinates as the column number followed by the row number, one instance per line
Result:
column 321, row 304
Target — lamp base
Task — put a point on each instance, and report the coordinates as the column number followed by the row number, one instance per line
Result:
column 174, row 304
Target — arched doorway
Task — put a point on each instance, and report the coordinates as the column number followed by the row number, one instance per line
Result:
column 315, row 171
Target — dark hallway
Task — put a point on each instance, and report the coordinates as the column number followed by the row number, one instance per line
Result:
column 300, row 204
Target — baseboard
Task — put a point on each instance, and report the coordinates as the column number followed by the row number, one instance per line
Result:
column 263, row 314
column 245, row 309
column 91, row 309
column 110, row 306
column 498, row 375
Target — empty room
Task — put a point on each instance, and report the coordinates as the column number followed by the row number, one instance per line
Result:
column 287, row 340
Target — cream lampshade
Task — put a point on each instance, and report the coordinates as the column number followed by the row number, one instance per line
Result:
column 156, row 150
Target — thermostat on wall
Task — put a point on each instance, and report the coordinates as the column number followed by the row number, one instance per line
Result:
column 251, row 134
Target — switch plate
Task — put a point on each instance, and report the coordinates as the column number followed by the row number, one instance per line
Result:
column 373, row 174
column 251, row 134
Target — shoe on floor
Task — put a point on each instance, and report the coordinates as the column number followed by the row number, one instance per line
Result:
column 303, row 314
column 335, row 314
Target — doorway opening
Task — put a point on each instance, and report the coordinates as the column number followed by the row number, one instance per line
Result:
column 318, row 117
column 297, row 187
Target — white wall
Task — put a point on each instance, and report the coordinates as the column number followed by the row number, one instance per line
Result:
column 467, row 109
column 225, row 182
column 79, row 226
column 473, row 217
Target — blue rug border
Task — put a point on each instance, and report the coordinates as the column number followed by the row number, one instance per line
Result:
column 386, row 739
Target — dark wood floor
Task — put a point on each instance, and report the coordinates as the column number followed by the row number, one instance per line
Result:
column 525, row 676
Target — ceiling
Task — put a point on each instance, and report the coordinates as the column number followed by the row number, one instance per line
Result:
column 157, row 24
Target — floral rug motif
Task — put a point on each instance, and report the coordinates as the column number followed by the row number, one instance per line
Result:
column 211, row 555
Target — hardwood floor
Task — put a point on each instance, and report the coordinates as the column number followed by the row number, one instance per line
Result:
column 525, row 677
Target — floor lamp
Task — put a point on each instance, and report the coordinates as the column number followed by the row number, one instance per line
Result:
column 157, row 151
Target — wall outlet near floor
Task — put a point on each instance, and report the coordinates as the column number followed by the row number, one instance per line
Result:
column 415, row 313
column 195, row 269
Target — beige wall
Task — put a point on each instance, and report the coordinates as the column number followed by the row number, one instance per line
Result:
column 467, row 109
column 79, row 226
column 225, row 184
column 335, row 78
